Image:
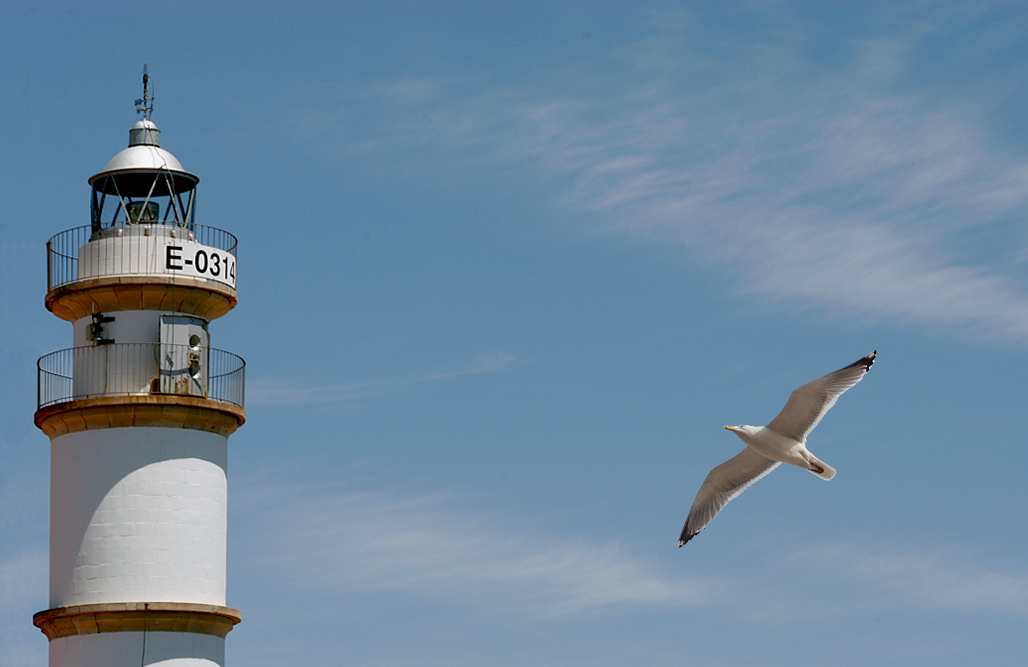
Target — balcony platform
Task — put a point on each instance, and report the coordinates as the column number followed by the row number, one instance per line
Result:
column 182, row 294
column 159, row 410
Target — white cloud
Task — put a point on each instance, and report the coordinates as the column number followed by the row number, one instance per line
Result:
column 281, row 392
column 430, row 545
column 436, row 547
column 820, row 188
column 926, row 580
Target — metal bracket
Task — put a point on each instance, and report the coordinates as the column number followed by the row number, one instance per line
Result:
column 96, row 329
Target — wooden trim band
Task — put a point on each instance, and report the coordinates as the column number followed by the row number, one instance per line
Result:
column 91, row 619
column 167, row 411
column 180, row 294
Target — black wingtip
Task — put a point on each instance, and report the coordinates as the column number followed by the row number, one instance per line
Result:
column 867, row 362
column 685, row 538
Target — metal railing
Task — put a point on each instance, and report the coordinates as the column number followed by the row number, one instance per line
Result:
column 140, row 369
column 64, row 249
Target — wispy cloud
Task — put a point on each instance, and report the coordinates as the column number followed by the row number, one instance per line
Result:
column 431, row 545
column 925, row 579
column 267, row 391
column 445, row 546
column 821, row 188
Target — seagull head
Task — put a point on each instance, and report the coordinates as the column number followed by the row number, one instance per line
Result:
column 742, row 428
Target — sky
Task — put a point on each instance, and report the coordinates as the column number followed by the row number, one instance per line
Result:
column 505, row 271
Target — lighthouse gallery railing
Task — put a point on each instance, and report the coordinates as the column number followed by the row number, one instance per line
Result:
column 140, row 369
column 63, row 249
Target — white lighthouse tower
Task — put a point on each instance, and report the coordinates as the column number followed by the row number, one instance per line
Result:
column 138, row 412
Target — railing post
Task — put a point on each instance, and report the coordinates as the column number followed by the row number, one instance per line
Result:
column 49, row 267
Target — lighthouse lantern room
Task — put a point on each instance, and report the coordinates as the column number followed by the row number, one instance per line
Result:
column 138, row 412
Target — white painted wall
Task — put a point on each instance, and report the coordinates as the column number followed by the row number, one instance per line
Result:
column 129, row 326
column 138, row 514
column 132, row 250
column 125, row 649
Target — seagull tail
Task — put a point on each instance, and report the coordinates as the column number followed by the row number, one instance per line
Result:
column 820, row 468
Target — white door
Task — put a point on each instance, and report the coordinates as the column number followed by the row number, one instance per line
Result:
column 184, row 355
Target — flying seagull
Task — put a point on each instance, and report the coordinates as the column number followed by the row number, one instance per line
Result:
column 781, row 441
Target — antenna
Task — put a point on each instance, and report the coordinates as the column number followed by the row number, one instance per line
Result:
column 145, row 105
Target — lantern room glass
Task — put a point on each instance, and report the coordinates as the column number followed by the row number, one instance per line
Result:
column 143, row 197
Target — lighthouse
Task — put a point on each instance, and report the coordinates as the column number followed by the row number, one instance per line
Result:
column 139, row 411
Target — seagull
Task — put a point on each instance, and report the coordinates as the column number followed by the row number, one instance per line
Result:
column 781, row 441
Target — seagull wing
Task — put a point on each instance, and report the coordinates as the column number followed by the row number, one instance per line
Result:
column 808, row 404
column 722, row 484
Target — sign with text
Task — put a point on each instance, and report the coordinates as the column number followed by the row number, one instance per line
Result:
column 194, row 259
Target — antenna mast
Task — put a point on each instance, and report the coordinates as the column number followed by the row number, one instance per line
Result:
column 145, row 105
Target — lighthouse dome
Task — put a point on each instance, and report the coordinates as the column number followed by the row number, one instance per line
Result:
column 144, row 154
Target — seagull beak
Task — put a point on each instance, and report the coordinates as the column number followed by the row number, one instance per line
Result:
column 730, row 428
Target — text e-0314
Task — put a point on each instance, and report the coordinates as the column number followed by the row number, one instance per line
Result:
column 201, row 261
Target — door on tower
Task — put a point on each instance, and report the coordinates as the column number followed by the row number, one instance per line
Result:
column 184, row 355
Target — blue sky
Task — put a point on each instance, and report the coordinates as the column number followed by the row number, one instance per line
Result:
column 506, row 269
